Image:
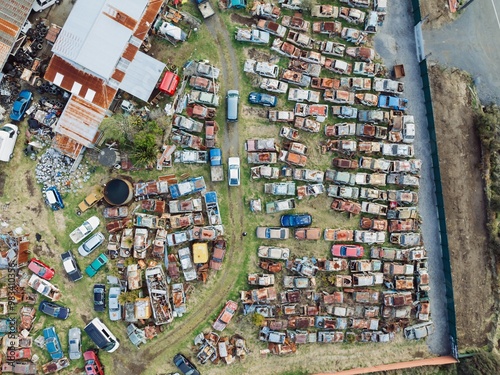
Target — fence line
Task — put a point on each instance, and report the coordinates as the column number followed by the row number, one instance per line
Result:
column 450, row 302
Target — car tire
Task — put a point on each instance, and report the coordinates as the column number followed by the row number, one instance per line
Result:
column 11, row 156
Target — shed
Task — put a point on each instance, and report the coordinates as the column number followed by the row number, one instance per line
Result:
column 169, row 83
column 200, row 252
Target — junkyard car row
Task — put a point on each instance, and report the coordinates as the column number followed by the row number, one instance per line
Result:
column 167, row 232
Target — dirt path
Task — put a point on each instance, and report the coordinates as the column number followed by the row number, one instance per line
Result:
column 209, row 303
column 465, row 205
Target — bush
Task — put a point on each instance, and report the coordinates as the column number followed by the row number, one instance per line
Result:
column 483, row 363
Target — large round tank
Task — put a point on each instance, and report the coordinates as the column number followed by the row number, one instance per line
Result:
column 118, row 191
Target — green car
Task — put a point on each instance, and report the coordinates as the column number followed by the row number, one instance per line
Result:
column 96, row 265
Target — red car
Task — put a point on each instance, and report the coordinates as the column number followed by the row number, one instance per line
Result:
column 41, row 269
column 348, row 251
column 92, row 364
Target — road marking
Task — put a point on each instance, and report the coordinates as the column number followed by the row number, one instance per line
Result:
column 496, row 14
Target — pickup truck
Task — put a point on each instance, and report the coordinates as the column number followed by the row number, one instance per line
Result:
column 392, row 102
column 374, row 208
column 300, row 95
column 205, row 8
column 190, row 157
column 388, row 86
column 343, row 111
column 85, row 229
column 293, row 158
column 262, row 157
column 202, row 97
column 260, row 144
column 183, row 206
column 187, row 264
column 90, row 201
column 273, row 85
column 264, row 279
column 44, row 287
column 374, row 115
column 371, row 131
column 281, row 205
column 252, row 35
column 281, row 116
column 307, row 124
column 216, row 168
column 187, row 124
column 280, row 188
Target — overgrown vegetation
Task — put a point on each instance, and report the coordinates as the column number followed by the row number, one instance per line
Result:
column 482, row 363
column 488, row 126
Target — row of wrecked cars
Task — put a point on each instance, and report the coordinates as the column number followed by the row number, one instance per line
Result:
column 360, row 294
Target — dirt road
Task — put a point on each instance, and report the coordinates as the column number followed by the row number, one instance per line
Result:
column 209, row 302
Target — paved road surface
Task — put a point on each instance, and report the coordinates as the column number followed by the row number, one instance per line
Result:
column 471, row 43
column 395, row 43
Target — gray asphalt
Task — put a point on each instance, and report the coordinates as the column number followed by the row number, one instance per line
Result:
column 471, row 43
column 395, row 43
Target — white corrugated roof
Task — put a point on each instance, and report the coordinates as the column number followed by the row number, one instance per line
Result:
column 92, row 38
column 142, row 75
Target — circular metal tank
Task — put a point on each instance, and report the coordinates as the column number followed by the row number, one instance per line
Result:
column 118, row 191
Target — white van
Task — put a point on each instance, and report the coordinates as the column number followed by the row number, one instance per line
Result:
column 8, row 137
column 101, row 335
column 41, row 5
column 232, row 100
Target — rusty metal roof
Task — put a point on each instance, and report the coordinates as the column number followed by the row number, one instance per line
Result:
column 67, row 145
column 80, row 120
column 86, row 85
column 13, row 14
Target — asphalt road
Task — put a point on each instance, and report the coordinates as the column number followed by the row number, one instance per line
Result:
column 395, row 43
column 471, row 43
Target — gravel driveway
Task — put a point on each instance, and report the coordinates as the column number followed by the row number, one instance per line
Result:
column 395, row 43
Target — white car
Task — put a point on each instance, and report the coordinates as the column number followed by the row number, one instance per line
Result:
column 91, row 244
column 41, row 5
column 8, row 137
column 234, row 171
column 115, row 310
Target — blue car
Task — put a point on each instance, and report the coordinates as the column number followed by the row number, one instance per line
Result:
column 54, row 310
column 263, row 99
column 52, row 343
column 96, row 265
column 21, row 105
column 53, row 198
column 296, row 220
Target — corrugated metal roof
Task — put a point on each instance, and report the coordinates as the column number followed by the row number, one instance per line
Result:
column 67, row 145
column 13, row 15
column 147, row 18
column 99, row 28
column 80, row 120
column 64, row 75
column 142, row 75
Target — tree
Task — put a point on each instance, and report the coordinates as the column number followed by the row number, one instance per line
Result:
column 258, row 319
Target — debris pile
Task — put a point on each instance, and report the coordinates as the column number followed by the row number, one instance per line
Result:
column 54, row 169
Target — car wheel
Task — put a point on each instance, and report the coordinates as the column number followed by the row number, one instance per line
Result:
column 11, row 156
column 18, row 132
column 40, row 11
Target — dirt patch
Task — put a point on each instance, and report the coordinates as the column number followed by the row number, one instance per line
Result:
column 236, row 18
column 254, row 112
column 465, row 204
column 438, row 13
column 261, row 55
column 29, row 182
column 2, row 182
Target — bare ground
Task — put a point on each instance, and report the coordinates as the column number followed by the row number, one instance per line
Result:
column 438, row 13
column 465, row 205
